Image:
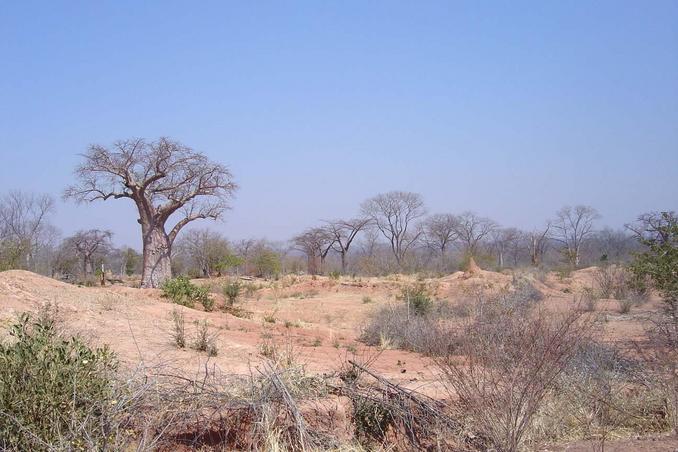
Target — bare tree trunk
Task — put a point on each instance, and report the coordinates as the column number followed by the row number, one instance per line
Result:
column 157, row 266
column 343, row 262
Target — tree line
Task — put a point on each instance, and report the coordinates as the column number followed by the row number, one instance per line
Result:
column 173, row 185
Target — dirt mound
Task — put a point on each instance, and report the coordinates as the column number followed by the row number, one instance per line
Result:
column 30, row 287
column 469, row 283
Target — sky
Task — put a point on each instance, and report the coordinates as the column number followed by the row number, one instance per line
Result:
column 509, row 109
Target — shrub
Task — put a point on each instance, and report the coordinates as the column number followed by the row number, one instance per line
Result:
column 371, row 419
column 587, row 301
column 600, row 392
column 625, row 305
column 250, row 289
column 178, row 329
column 232, row 292
column 523, row 296
column 269, row 317
column 417, row 298
column 204, row 341
column 183, row 292
column 428, row 334
column 52, row 390
column 511, row 362
column 612, row 281
column 335, row 275
column 367, row 300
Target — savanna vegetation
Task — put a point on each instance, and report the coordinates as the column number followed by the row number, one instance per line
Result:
column 516, row 368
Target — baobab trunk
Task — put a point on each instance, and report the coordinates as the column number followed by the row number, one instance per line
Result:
column 157, row 266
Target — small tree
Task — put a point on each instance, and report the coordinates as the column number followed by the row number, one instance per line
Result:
column 573, row 225
column 344, row 232
column 503, row 240
column 440, row 231
column 538, row 242
column 165, row 180
column 227, row 262
column 472, row 230
column 659, row 262
column 266, row 263
column 24, row 227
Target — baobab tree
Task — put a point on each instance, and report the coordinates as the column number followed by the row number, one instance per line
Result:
column 395, row 214
column 316, row 243
column 440, row 231
column 166, row 180
column 471, row 230
column 572, row 226
column 87, row 244
column 344, row 232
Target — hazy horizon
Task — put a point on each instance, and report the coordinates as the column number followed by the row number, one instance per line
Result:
column 508, row 110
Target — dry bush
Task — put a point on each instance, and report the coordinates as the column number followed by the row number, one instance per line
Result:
column 390, row 326
column 507, row 361
column 430, row 330
column 204, row 340
column 276, row 407
column 660, row 355
column 600, row 395
column 587, row 300
column 386, row 416
column 178, row 328
column 612, row 281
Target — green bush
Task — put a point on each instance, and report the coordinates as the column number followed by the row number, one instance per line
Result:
column 418, row 298
column 182, row 291
column 54, row 392
column 232, row 292
column 335, row 275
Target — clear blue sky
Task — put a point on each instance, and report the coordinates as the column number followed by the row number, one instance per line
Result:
column 511, row 109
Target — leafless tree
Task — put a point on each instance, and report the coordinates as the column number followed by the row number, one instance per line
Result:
column 370, row 241
column 88, row 243
column 24, row 223
column 394, row 214
column 243, row 248
column 614, row 245
column 316, row 243
column 471, row 230
column 572, row 226
column 503, row 240
column 440, row 230
column 165, row 179
column 538, row 241
column 653, row 226
column 344, row 232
